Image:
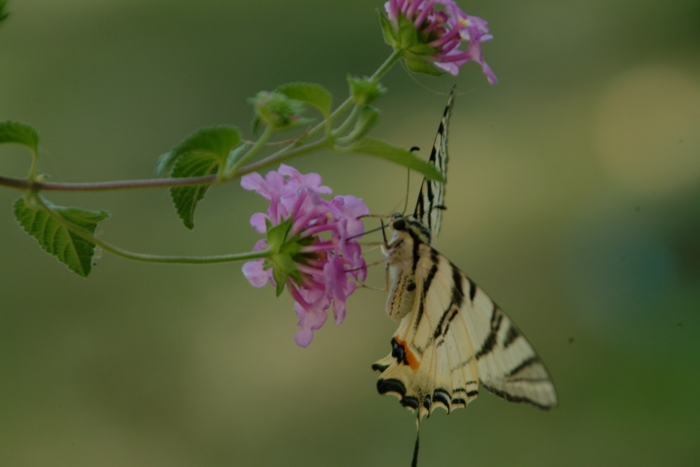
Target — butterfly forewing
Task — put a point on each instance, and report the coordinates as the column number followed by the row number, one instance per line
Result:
column 431, row 200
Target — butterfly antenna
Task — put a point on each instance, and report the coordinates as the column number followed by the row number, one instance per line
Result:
column 383, row 232
column 367, row 232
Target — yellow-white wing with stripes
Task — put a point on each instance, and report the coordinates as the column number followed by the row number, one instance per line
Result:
column 454, row 338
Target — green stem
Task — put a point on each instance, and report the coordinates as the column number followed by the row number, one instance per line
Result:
column 386, row 66
column 31, row 176
column 87, row 235
column 282, row 156
column 288, row 153
column 256, row 148
column 348, row 121
column 24, row 185
column 381, row 71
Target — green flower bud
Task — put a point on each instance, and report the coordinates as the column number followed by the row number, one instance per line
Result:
column 365, row 90
column 277, row 110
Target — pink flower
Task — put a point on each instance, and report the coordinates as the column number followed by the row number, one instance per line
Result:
column 312, row 248
column 442, row 31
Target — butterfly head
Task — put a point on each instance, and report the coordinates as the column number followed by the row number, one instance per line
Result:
column 409, row 225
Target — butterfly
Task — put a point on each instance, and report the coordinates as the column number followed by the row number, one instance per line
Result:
column 452, row 337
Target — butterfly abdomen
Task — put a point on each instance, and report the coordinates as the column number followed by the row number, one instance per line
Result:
column 403, row 255
column 402, row 295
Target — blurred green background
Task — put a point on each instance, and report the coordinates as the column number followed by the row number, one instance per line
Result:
column 574, row 200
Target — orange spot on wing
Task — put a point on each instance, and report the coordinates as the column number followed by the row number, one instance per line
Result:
column 410, row 358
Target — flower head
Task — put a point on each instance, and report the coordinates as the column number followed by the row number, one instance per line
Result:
column 426, row 35
column 311, row 241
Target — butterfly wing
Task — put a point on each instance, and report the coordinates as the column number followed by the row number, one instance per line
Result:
column 431, row 200
column 455, row 338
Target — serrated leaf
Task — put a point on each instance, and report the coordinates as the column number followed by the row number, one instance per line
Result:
column 201, row 153
column 55, row 238
column 309, row 93
column 19, row 133
column 216, row 141
column 186, row 198
column 397, row 155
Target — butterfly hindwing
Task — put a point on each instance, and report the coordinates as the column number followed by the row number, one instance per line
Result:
column 457, row 339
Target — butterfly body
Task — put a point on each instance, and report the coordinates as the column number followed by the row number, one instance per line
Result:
column 452, row 337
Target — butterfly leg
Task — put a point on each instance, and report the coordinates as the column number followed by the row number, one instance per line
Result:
column 386, row 276
column 386, row 283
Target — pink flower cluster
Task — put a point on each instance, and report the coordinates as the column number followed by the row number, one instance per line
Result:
column 446, row 30
column 328, row 258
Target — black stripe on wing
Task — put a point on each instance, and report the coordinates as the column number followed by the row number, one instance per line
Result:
column 431, row 200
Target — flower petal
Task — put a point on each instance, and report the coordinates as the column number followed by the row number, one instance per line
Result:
column 352, row 208
column 252, row 181
column 310, row 307
column 256, row 275
column 257, row 220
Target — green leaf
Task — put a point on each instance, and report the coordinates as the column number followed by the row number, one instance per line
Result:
column 310, row 93
column 69, row 248
column 280, row 278
column 3, row 11
column 390, row 35
column 200, row 154
column 418, row 65
column 397, row 155
column 422, row 49
column 216, row 141
column 163, row 163
column 19, row 133
column 281, row 253
column 283, row 265
column 408, row 36
column 277, row 235
column 186, row 198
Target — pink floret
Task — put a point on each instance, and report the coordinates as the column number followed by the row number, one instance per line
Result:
column 331, row 260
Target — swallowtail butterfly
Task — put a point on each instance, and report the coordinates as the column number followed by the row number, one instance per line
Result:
column 452, row 337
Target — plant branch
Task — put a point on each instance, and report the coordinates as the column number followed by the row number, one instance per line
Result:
column 288, row 152
column 89, row 236
column 23, row 184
